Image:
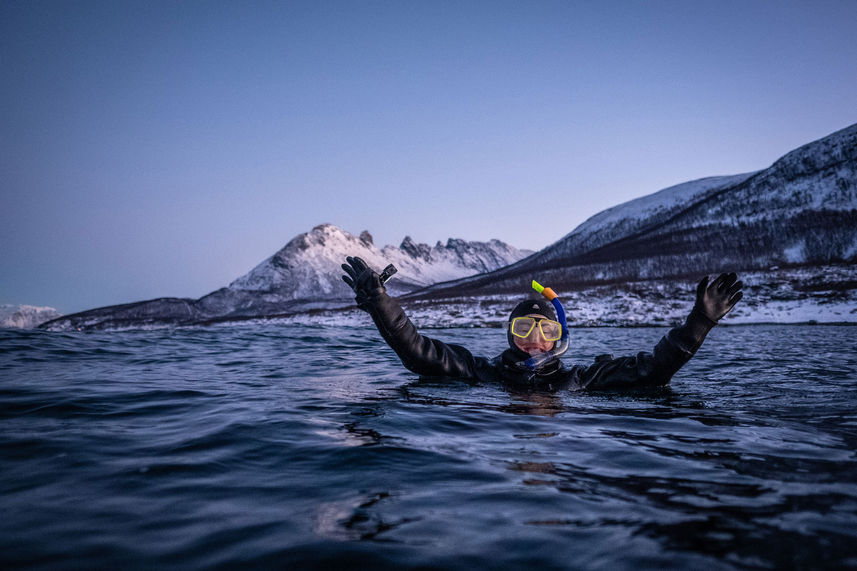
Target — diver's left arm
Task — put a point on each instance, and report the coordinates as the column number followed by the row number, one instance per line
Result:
column 713, row 301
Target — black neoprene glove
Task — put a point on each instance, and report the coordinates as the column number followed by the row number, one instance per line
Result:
column 365, row 282
column 716, row 299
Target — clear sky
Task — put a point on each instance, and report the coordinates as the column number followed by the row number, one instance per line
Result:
column 154, row 149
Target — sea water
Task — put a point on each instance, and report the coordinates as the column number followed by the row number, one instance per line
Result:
column 274, row 446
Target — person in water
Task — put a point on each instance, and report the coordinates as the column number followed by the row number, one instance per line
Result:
column 537, row 334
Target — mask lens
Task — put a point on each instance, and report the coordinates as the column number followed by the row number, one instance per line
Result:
column 521, row 326
column 551, row 330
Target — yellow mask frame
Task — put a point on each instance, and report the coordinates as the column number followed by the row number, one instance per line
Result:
column 519, row 324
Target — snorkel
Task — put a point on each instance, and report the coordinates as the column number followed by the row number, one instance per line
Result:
column 561, row 346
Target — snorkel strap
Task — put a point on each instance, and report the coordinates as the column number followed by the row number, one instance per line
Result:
column 540, row 360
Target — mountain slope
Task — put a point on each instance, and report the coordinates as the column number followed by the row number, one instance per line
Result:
column 802, row 210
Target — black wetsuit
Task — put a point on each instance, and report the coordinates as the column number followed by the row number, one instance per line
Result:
column 430, row 357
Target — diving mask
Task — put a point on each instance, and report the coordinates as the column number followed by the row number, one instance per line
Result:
column 523, row 327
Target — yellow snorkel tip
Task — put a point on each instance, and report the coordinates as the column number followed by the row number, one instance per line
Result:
column 545, row 291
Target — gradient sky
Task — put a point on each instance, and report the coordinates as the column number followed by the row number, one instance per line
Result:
column 154, row 149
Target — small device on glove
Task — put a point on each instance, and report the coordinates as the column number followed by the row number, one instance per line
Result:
column 388, row 273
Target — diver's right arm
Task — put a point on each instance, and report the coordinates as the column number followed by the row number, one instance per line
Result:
column 421, row 355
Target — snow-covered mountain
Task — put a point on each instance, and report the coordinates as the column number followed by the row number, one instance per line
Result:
column 802, row 210
column 304, row 275
column 25, row 316
column 778, row 226
column 308, row 266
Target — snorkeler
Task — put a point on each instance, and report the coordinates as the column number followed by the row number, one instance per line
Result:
column 537, row 334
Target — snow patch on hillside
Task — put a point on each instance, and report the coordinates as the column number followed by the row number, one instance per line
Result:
column 795, row 254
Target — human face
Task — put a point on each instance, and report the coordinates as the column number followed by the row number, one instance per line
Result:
column 534, row 343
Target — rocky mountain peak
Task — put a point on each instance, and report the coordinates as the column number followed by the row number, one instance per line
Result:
column 415, row 250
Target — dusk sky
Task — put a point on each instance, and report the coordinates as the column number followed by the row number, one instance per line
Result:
column 152, row 149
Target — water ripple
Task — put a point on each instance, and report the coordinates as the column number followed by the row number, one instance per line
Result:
column 259, row 445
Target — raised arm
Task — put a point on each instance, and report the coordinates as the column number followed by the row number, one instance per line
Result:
column 421, row 355
column 713, row 301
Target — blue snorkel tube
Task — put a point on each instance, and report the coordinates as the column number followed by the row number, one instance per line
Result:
column 561, row 346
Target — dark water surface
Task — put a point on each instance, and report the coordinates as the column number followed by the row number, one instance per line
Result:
column 293, row 447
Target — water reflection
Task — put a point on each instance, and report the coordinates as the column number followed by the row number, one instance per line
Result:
column 534, row 403
column 355, row 519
